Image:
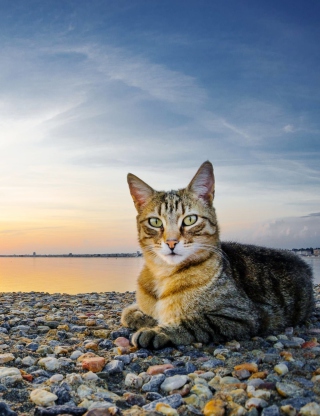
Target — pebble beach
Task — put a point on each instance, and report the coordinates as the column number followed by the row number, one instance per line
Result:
column 66, row 354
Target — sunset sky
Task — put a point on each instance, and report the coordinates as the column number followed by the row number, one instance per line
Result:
column 92, row 90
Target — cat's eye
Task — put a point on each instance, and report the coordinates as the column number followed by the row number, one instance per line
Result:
column 155, row 222
column 190, row 220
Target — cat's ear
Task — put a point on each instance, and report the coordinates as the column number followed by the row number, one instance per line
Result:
column 202, row 184
column 140, row 191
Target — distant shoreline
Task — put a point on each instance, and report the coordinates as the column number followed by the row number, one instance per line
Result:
column 138, row 254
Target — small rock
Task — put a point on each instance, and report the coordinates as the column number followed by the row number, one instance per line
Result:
column 310, row 409
column 122, row 342
column 288, row 390
column 165, row 409
column 173, row 383
column 6, row 411
column 5, row 358
column 59, row 410
column 175, row 400
column 94, row 364
column 255, row 402
column 43, row 397
column 49, row 363
column 154, row 383
column 281, row 369
column 252, row 367
column 158, row 369
column 115, row 366
column 132, row 380
column 214, row 408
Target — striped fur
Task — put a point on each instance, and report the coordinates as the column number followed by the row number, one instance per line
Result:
column 195, row 288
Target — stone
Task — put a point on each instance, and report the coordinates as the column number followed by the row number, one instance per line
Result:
column 62, row 393
column 6, row 411
column 49, row 363
column 134, row 399
column 165, row 409
column 83, row 391
column 242, row 374
column 59, row 410
column 158, row 369
column 60, row 350
column 154, row 383
column 5, row 358
column 229, row 380
column 271, row 411
column 288, row 390
column 281, row 369
column 90, row 376
column 174, row 382
column 134, row 381
column 99, row 412
column 252, row 367
column 122, row 342
column 43, row 397
column 56, row 378
column 211, row 364
column 91, row 346
column 310, row 409
column 152, row 395
column 75, row 355
column 10, row 375
column 175, row 400
column 202, row 391
column 214, row 408
column 255, row 402
column 296, row 402
column 94, row 364
column 115, row 366
column 28, row 361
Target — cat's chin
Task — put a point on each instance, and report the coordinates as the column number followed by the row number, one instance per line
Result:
column 172, row 258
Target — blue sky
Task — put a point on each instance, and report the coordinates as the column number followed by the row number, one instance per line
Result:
column 92, row 90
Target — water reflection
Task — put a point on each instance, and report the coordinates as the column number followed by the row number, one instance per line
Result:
column 69, row 275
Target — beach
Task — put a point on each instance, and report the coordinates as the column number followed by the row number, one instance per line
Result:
column 68, row 354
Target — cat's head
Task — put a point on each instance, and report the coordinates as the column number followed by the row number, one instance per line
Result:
column 177, row 226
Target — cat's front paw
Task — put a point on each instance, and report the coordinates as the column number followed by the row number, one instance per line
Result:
column 134, row 318
column 153, row 338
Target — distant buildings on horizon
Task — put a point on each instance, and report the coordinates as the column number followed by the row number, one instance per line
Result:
column 307, row 251
column 136, row 254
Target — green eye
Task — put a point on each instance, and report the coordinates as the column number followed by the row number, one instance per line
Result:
column 190, row 220
column 155, row 222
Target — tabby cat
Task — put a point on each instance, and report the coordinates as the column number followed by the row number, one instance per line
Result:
column 194, row 288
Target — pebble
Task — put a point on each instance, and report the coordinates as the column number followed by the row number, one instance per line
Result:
column 114, row 366
column 154, row 383
column 42, row 397
column 5, row 410
column 134, row 381
column 288, row 390
column 49, row 363
column 5, row 358
column 158, row 369
column 48, row 347
column 175, row 400
column 271, row 411
column 173, row 383
column 281, row 369
column 310, row 409
column 94, row 364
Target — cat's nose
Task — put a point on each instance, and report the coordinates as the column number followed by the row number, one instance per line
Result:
column 172, row 243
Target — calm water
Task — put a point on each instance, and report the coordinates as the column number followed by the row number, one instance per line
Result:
column 69, row 275
column 79, row 275
column 314, row 262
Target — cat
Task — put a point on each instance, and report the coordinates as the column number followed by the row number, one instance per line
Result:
column 194, row 288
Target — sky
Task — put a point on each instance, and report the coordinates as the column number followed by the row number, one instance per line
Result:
column 90, row 91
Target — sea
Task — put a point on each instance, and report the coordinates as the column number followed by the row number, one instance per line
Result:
column 80, row 274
